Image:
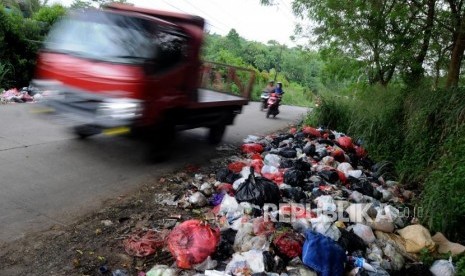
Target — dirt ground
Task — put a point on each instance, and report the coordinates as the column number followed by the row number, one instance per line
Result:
column 94, row 244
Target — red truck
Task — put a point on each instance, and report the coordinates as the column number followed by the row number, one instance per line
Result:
column 137, row 70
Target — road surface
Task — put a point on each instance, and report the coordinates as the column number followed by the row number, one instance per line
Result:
column 48, row 177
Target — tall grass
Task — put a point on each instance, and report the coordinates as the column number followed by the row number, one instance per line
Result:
column 422, row 132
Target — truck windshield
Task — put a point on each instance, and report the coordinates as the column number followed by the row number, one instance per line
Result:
column 104, row 36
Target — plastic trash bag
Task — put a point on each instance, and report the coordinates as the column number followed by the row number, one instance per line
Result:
column 229, row 205
column 262, row 226
column 363, row 187
column 272, row 160
column 309, row 150
column 294, row 194
column 364, row 232
column 162, row 270
column 237, row 166
column 416, row 238
column 345, row 168
column 325, row 203
column 252, row 148
column 311, row 132
column 257, row 164
column 258, row 191
column 324, row 225
column 246, row 263
column 197, row 199
column 323, row 255
column 245, row 239
column 225, row 248
column 288, row 152
column 227, row 176
column 302, row 165
column 345, row 143
column 351, row 242
column 191, row 242
column 208, row 264
column 443, row 268
column 329, row 176
column 301, row 225
column 289, row 244
column 267, row 169
column 294, row 178
column 445, row 246
column 396, row 260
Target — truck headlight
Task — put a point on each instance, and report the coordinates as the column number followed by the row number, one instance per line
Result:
column 124, row 109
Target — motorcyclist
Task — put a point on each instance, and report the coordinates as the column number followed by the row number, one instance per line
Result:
column 279, row 90
column 269, row 87
column 267, row 91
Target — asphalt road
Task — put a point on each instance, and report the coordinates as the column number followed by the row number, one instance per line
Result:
column 48, row 177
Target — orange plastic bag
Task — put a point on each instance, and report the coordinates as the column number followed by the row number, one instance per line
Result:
column 192, row 242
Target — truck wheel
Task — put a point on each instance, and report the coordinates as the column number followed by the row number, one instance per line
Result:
column 85, row 131
column 215, row 134
column 161, row 140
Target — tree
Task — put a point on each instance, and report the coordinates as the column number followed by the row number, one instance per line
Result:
column 457, row 29
column 50, row 14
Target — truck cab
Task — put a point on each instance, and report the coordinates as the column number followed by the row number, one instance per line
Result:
column 126, row 68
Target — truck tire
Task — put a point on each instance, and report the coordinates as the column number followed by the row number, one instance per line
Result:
column 84, row 131
column 215, row 134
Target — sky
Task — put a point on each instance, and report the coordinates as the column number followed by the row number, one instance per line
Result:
column 250, row 19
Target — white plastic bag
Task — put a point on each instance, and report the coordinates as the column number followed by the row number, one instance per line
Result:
column 272, row 160
column 363, row 232
column 443, row 268
column 253, row 260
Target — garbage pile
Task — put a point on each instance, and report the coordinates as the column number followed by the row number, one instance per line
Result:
column 25, row 95
column 307, row 202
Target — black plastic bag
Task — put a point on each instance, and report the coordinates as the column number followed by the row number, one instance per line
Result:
column 363, row 187
column 309, row 150
column 286, row 163
column 294, row 194
column 301, row 165
column 294, row 178
column 329, row 176
column 350, row 241
column 225, row 249
column 258, row 191
column 227, row 176
column 271, row 190
column 288, row 152
column 268, row 260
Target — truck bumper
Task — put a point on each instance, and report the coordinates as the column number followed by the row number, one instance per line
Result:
column 75, row 107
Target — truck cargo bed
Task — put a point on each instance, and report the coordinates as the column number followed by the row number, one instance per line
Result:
column 211, row 98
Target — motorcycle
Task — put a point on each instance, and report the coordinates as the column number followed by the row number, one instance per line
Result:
column 273, row 105
column 264, row 100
